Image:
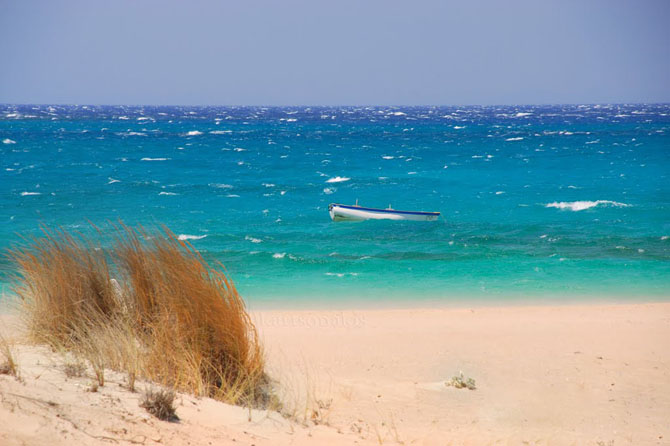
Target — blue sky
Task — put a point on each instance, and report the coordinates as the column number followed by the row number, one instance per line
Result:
column 316, row 52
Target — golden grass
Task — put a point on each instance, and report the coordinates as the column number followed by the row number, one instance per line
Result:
column 62, row 281
column 168, row 316
column 8, row 365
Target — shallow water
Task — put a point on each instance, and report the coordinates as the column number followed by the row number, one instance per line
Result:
column 535, row 201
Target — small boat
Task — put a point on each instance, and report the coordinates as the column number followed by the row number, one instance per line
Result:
column 343, row 212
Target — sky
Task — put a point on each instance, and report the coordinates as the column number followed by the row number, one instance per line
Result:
column 338, row 52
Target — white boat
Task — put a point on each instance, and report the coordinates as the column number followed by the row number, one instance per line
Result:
column 343, row 212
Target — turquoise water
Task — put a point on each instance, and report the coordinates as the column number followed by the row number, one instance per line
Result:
column 535, row 201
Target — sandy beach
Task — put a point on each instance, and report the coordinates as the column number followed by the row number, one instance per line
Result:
column 545, row 375
column 424, row 223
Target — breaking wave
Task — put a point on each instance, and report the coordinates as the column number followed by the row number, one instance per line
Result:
column 583, row 205
column 337, row 180
column 190, row 237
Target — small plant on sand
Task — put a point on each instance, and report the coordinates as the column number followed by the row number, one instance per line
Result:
column 74, row 369
column 460, row 382
column 8, row 364
column 160, row 403
column 321, row 412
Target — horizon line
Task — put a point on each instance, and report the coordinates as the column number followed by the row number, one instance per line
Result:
column 68, row 104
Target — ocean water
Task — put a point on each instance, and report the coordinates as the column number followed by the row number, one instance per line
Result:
column 537, row 201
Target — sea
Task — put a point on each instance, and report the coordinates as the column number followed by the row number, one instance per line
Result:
column 537, row 203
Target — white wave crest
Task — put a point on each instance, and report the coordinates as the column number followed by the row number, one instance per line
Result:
column 193, row 133
column 252, row 239
column 190, row 237
column 8, row 141
column 337, row 180
column 154, row 159
column 518, row 138
column 340, row 274
column 167, row 193
column 583, row 205
column 279, row 255
column 328, row 190
column 220, row 132
column 23, row 194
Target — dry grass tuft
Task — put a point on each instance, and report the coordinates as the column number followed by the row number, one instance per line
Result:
column 160, row 403
column 62, row 281
column 8, row 365
column 199, row 336
column 168, row 316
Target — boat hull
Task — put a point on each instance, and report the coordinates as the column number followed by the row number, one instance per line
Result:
column 356, row 213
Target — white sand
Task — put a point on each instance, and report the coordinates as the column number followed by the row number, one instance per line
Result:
column 551, row 375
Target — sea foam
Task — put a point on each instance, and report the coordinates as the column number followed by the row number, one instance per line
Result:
column 337, row 180
column 583, row 205
column 190, row 237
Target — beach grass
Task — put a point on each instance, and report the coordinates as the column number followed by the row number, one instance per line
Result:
column 149, row 306
column 8, row 363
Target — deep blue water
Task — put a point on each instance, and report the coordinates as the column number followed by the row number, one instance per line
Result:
column 569, row 201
